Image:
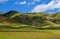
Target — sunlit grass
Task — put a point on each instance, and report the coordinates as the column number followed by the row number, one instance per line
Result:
column 27, row 32
column 45, row 34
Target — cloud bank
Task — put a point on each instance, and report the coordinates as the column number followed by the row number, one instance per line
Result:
column 44, row 7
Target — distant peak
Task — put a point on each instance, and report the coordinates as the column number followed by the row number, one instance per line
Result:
column 12, row 12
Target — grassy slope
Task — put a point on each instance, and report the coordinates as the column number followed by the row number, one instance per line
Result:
column 37, row 34
column 34, row 34
column 22, row 27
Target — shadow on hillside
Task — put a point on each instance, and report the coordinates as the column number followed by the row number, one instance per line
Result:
column 10, row 27
column 6, row 27
column 49, row 28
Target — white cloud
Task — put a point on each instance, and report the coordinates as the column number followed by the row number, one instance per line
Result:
column 33, row 2
column 2, row 1
column 43, row 7
column 23, row 2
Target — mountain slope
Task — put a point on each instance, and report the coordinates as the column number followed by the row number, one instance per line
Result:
column 33, row 19
column 11, row 14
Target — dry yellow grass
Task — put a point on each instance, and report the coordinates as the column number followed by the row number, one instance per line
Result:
column 31, row 35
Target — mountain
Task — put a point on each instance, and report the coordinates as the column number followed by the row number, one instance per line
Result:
column 11, row 14
column 34, row 19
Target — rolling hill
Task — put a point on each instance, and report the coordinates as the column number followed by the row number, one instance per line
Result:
column 41, row 19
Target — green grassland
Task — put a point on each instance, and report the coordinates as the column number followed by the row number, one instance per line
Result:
column 42, row 34
column 27, row 32
column 21, row 31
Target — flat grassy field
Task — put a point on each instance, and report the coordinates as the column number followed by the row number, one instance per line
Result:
column 42, row 34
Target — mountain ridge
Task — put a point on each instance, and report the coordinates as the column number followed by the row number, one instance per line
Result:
column 33, row 19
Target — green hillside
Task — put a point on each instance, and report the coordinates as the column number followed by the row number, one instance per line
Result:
column 30, row 20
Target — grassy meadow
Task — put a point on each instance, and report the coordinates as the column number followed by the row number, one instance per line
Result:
column 42, row 34
column 26, row 32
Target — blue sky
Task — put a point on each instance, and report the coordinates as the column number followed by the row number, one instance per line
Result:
column 24, row 6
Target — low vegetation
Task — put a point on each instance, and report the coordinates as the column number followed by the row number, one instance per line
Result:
column 42, row 25
column 40, row 20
